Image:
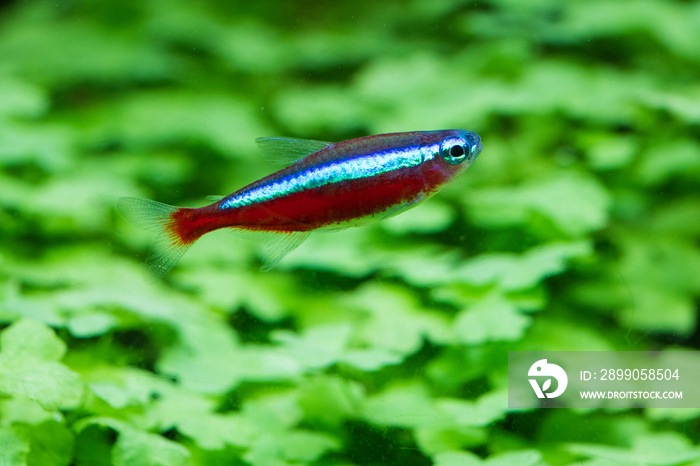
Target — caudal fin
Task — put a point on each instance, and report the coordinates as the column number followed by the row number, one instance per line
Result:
column 154, row 216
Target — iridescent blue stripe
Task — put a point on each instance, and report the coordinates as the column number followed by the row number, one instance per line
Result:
column 335, row 172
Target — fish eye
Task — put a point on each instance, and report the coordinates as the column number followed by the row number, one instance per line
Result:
column 454, row 151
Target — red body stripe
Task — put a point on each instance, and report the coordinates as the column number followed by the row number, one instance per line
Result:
column 318, row 207
column 313, row 208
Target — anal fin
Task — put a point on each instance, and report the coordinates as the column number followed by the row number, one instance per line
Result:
column 276, row 244
column 280, row 245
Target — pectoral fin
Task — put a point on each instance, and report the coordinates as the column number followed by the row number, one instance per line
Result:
column 401, row 208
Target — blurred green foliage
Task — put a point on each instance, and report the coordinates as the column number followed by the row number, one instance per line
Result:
column 576, row 229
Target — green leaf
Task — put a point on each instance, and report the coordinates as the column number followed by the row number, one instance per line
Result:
column 683, row 104
column 508, row 271
column 138, row 447
column 679, row 312
column 309, row 110
column 522, row 458
column 135, row 448
column 425, row 97
column 51, row 444
column 215, row 431
column 493, row 318
column 121, row 387
column 50, row 384
column 50, row 146
column 21, row 98
column 680, row 159
column 422, row 266
column 166, row 117
column 574, row 203
column 321, row 252
column 410, row 405
column 23, row 410
column 558, row 334
column 31, row 338
column 13, row 448
column 513, row 272
column 663, row 448
column 458, row 458
column 331, row 399
column 94, row 445
column 430, row 217
column 305, row 446
column 201, row 359
column 403, row 405
column 672, row 414
column 464, row 422
column 435, row 440
column 317, row 347
column 91, row 325
column 273, row 412
column 29, row 367
column 261, row 363
column 677, row 218
column 254, row 47
column 261, row 297
column 393, row 320
column 656, row 272
column 458, row 366
column 609, row 152
column 79, row 49
column 478, row 413
column 195, row 416
column 371, row 359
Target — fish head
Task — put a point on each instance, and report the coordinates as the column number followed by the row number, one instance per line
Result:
column 453, row 152
column 459, row 148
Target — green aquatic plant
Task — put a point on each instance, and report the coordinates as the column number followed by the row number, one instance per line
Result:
column 577, row 229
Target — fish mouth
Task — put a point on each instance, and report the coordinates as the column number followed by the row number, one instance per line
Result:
column 474, row 143
column 475, row 150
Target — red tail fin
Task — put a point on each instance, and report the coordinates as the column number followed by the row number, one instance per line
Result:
column 154, row 216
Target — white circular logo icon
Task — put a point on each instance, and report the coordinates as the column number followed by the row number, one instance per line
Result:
column 542, row 368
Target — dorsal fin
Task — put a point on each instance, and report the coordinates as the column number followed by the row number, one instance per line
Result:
column 286, row 151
